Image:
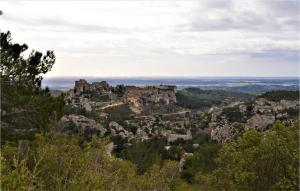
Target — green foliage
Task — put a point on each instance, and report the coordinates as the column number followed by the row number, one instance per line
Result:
column 81, row 111
column 233, row 114
column 202, row 160
column 280, row 94
column 25, row 107
column 57, row 162
column 257, row 161
column 195, row 98
column 292, row 113
column 173, row 153
column 144, row 154
column 118, row 113
column 17, row 69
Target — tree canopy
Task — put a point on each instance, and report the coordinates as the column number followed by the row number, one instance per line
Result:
column 25, row 106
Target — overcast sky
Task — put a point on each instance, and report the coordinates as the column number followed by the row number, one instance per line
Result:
column 160, row 38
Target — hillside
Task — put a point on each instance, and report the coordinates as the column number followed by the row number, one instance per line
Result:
column 195, row 98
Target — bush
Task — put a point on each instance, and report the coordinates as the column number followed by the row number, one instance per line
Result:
column 257, row 161
column 57, row 162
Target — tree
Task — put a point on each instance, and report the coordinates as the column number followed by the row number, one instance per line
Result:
column 25, row 106
column 203, row 160
column 19, row 70
column 145, row 154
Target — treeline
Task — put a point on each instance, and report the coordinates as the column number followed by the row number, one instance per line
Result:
column 280, row 95
column 195, row 98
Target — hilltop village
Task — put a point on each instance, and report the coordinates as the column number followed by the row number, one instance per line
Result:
column 130, row 113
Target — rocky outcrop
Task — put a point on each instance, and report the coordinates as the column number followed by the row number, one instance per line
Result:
column 141, row 97
column 260, row 115
column 260, row 122
column 80, row 123
column 82, row 86
column 118, row 130
column 141, row 134
column 89, row 96
column 262, row 105
column 224, row 131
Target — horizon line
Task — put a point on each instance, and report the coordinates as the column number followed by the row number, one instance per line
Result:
column 79, row 76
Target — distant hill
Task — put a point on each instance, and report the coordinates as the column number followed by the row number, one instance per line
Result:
column 196, row 98
column 280, row 95
column 256, row 89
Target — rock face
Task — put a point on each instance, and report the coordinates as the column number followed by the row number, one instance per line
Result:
column 260, row 115
column 116, row 129
column 141, row 97
column 260, row 122
column 89, row 96
column 82, row 86
column 223, row 131
column 265, row 106
column 80, row 123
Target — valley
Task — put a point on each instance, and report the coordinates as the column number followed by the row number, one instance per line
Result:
column 182, row 120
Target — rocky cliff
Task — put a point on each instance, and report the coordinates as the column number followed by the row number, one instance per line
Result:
column 140, row 98
column 226, row 122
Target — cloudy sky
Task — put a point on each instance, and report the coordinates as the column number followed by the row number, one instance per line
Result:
column 160, row 38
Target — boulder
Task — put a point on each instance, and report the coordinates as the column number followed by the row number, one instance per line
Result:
column 80, row 123
column 260, row 122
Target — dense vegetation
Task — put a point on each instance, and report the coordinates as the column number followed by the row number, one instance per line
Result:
column 195, row 98
column 145, row 154
column 35, row 155
column 57, row 162
column 119, row 113
column 233, row 114
column 281, row 94
column 259, row 161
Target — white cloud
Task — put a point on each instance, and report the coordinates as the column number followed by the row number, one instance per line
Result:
column 145, row 38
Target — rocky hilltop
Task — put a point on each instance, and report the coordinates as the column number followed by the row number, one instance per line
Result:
column 184, row 119
column 139, row 99
column 260, row 114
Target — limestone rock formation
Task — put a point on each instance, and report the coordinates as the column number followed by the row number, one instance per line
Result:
column 260, row 122
column 260, row 115
column 141, row 97
column 116, row 129
column 80, row 123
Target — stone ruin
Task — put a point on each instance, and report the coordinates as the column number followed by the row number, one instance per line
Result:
column 141, row 97
column 138, row 98
column 82, row 86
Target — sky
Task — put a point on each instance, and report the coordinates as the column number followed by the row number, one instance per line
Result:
column 160, row 38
